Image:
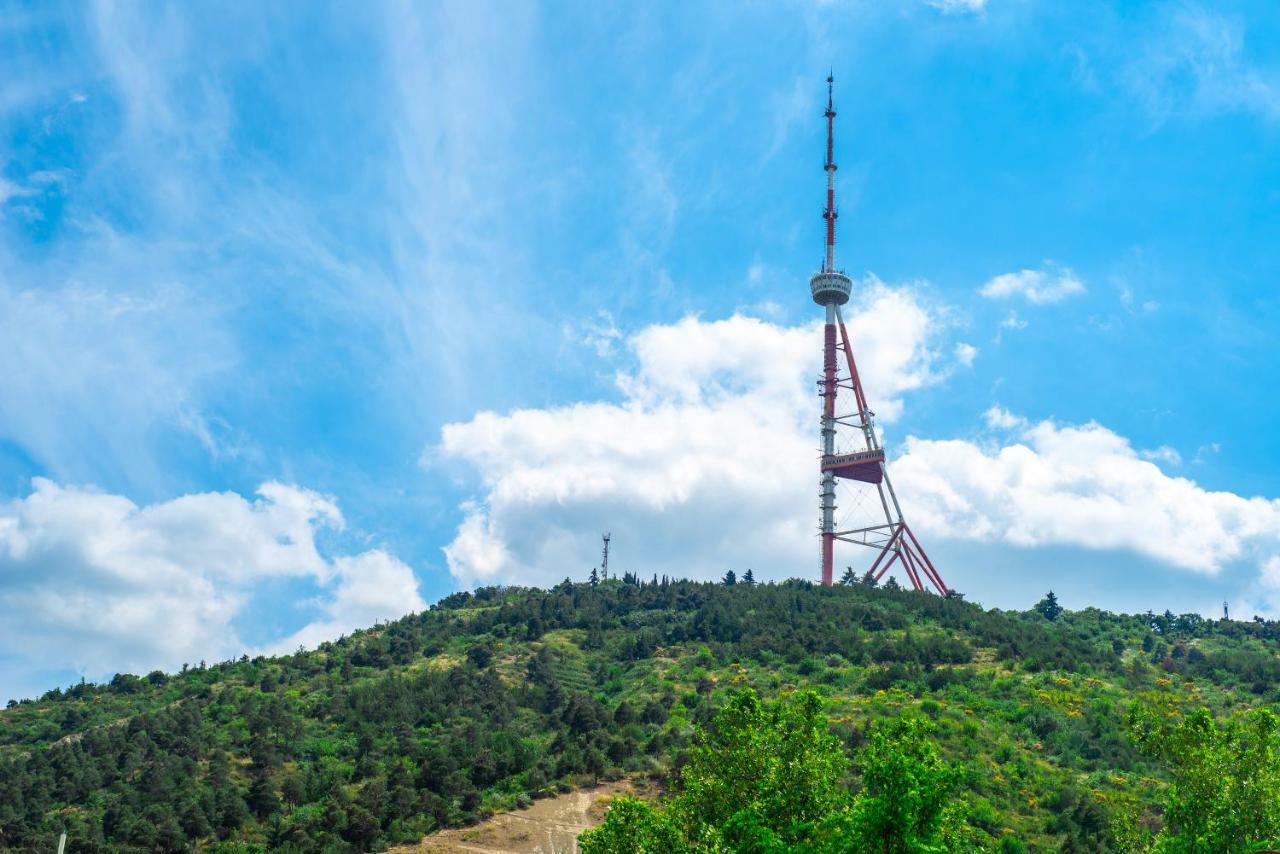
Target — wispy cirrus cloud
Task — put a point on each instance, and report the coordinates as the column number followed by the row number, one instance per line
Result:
column 188, row 248
column 1195, row 61
column 958, row 7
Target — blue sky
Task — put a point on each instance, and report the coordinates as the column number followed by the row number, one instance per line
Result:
column 465, row 284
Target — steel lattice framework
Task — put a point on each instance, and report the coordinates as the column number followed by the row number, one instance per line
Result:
column 864, row 461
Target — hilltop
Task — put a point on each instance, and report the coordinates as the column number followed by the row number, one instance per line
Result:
column 489, row 700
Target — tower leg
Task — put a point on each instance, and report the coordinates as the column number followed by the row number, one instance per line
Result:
column 888, row 548
column 828, row 558
column 927, row 564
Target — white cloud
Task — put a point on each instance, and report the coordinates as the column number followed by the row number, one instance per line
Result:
column 10, row 190
column 1083, row 486
column 1270, row 575
column 93, row 582
column 707, row 462
column 1039, row 287
column 955, row 7
column 1205, row 451
column 371, row 587
column 1013, row 322
column 965, row 353
column 999, row 418
column 601, row 335
column 1131, row 305
column 1162, row 454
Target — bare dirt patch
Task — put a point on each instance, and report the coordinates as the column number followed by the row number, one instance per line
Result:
column 549, row 826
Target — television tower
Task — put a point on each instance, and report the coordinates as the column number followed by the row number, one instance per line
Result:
column 861, row 459
column 604, row 563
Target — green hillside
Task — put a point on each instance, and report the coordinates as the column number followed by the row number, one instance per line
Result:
column 490, row 699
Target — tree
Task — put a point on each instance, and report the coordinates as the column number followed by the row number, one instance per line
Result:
column 849, row 576
column 1048, row 607
column 1226, row 780
column 749, row 578
column 767, row 778
column 262, row 795
column 869, row 578
column 729, row 579
column 594, row 578
column 892, row 584
column 777, row 760
column 480, row 655
column 761, row 771
column 906, row 791
column 633, row 826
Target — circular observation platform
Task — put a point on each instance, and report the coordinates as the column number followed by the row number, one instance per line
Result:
column 830, row 288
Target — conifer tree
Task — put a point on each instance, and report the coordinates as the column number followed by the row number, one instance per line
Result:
column 1048, row 607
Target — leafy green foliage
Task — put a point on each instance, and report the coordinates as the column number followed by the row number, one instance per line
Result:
column 1225, row 795
column 769, row 777
column 774, row 766
column 907, row 791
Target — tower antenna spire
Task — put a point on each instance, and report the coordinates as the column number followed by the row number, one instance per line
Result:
column 829, row 259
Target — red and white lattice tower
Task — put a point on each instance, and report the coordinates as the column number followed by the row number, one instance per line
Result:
column 851, row 451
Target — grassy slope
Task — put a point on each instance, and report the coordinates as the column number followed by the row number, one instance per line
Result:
column 1035, row 710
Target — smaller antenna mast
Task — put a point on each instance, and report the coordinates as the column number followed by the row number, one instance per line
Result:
column 604, row 563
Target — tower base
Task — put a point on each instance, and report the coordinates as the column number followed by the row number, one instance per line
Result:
column 895, row 542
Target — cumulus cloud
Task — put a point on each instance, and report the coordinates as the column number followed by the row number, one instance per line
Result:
column 1047, row 285
column 1084, row 486
column 1270, row 575
column 94, row 582
column 369, row 587
column 705, row 463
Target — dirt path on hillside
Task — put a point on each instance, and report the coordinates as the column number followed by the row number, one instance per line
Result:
column 549, row 826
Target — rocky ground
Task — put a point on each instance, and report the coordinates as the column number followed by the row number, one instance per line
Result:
column 549, row 826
